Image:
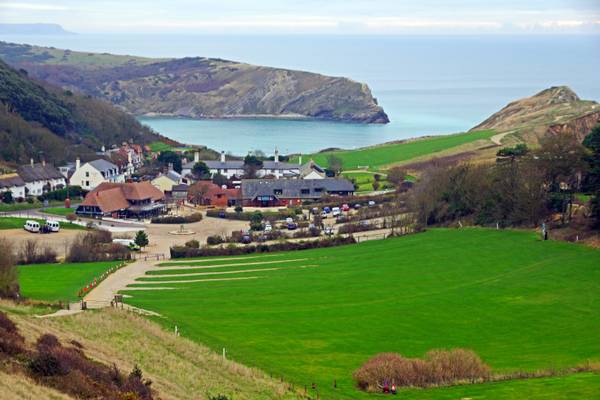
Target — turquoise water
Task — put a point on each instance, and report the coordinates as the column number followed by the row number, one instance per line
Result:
column 426, row 84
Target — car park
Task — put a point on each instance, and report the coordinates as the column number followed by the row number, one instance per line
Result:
column 32, row 226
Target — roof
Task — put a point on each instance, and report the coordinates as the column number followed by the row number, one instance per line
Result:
column 292, row 188
column 311, row 166
column 10, row 180
column 214, row 190
column 180, row 188
column 39, row 172
column 279, row 165
column 232, row 164
column 111, row 197
column 102, row 165
column 171, row 175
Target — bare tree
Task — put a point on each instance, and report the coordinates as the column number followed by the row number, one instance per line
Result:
column 9, row 276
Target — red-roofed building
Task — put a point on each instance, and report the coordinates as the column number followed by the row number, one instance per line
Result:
column 123, row 200
column 208, row 194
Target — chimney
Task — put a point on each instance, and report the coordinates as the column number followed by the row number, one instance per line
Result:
column 196, row 157
column 276, row 155
column 77, row 164
column 43, row 162
column 222, row 156
column 170, row 167
column 129, row 160
column 103, row 149
column 300, row 160
column 31, row 161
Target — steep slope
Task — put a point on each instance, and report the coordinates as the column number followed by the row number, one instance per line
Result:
column 199, row 87
column 39, row 120
column 179, row 368
column 554, row 110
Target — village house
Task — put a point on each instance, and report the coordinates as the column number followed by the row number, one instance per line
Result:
column 123, row 200
column 41, row 178
column 14, row 184
column 165, row 182
column 287, row 192
column 93, row 173
column 207, row 193
column 311, row 170
column 235, row 168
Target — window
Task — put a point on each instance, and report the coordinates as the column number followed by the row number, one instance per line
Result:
column 87, row 174
column 278, row 191
column 87, row 183
column 318, row 190
column 305, row 191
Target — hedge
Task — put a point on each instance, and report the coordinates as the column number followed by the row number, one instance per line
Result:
column 188, row 219
column 189, row 252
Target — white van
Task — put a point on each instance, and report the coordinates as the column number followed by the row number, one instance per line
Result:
column 32, row 226
column 52, row 226
column 335, row 211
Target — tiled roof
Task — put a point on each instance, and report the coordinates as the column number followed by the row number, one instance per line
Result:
column 111, row 197
column 10, row 180
column 38, row 172
column 292, row 188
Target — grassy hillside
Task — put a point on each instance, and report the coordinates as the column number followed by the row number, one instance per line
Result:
column 38, row 119
column 58, row 282
column 378, row 157
column 316, row 316
column 179, row 368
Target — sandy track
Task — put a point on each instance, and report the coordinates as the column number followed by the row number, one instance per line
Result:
column 230, row 265
column 195, row 280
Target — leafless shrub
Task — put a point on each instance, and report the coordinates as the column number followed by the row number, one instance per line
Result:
column 11, row 342
column 9, row 276
column 438, row 368
column 32, row 253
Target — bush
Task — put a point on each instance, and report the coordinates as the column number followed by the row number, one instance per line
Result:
column 61, row 194
column 193, row 244
column 9, row 277
column 11, row 342
column 187, row 252
column 213, row 240
column 31, row 253
column 188, row 219
column 438, row 368
column 96, row 246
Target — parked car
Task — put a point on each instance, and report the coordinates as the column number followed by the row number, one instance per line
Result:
column 129, row 243
column 315, row 211
column 335, row 211
column 292, row 226
column 371, row 203
column 222, row 214
column 345, row 207
column 246, row 239
column 357, row 206
column 328, row 230
column 32, row 226
column 268, row 228
column 289, row 220
column 327, row 210
column 324, row 214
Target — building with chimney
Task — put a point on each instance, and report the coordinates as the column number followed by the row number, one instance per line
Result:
column 41, row 178
column 14, row 184
column 235, row 168
column 91, row 174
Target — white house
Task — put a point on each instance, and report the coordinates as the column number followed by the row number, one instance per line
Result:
column 235, row 168
column 312, row 170
column 93, row 173
column 41, row 178
column 165, row 182
column 12, row 183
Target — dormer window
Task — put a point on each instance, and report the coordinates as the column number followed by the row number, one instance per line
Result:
column 305, row 191
column 278, row 191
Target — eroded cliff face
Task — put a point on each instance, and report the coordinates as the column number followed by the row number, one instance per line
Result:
column 551, row 111
column 580, row 127
column 199, row 87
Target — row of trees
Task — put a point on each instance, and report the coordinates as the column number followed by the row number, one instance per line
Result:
column 522, row 188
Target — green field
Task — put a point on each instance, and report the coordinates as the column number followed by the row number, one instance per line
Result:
column 379, row 156
column 317, row 315
column 25, row 206
column 58, row 282
column 17, row 223
column 63, row 212
column 365, row 180
column 160, row 146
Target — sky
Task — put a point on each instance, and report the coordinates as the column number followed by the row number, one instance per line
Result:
column 311, row 16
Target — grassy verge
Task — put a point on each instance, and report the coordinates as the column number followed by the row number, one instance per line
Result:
column 520, row 303
column 377, row 157
column 17, row 223
column 58, row 282
column 61, row 211
column 25, row 206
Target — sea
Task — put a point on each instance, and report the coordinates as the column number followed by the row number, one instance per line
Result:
column 428, row 85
